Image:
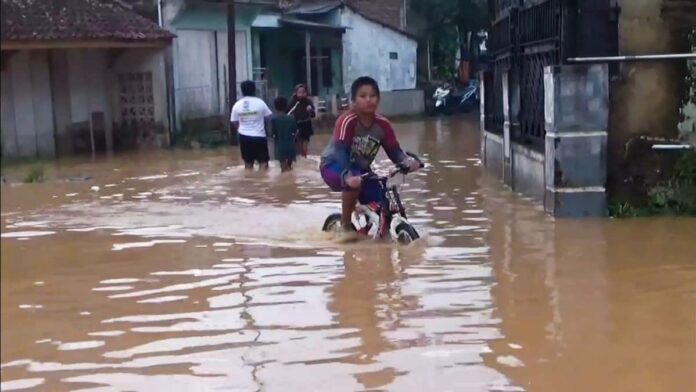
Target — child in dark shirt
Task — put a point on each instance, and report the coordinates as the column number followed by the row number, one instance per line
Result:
column 284, row 130
column 301, row 108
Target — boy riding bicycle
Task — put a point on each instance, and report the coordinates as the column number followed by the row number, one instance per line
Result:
column 357, row 137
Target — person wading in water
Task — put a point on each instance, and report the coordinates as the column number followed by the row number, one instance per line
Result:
column 301, row 108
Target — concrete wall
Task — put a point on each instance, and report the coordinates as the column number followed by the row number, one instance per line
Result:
column 577, row 116
column 402, row 103
column 91, row 87
column 568, row 176
column 89, row 84
column 200, row 64
column 194, row 74
column 27, row 111
column 687, row 128
column 528, row 171
column 366, row 48
column 492, row 153
column 60, row 87
column 646, row 95
column 50, row 99
column 527, row 166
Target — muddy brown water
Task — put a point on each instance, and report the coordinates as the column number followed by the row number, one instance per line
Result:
column 182, row 272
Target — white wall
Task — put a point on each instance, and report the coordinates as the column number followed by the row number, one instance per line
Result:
column 402, row 103
column 200, row 62
column 366, row 48
column 7, row 120
column 243, row 66
column 42, row 103
column 193, row 70
column 44, row 93
column 89, row 86
column 27, row 113
column 60, row 88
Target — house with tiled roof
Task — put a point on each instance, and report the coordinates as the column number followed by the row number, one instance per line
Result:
column 324, row 44
column 80, row 76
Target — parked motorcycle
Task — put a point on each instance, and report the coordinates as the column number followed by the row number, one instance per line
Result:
column 440, row 97
column 448, row 102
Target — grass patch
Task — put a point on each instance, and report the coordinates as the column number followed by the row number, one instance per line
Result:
column 36, row 174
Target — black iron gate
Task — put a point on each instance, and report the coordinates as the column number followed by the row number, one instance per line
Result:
column 527, row 35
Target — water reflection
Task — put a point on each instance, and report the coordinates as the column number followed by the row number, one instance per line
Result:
column 192, row 273
column 595, row 304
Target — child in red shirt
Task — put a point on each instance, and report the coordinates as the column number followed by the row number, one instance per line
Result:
column 358, row 135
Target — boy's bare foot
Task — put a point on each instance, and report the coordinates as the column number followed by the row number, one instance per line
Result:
column 347, row 234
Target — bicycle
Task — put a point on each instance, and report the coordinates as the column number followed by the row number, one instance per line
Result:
column 386, row 217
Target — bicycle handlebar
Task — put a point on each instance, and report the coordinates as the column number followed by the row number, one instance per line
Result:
column 400, row 169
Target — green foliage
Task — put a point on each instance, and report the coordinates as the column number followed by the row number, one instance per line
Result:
column 677, row 196
column 468, row 15
column 36, row 174
column 685, row 170
column 622, row 210
column 447, row 23
column 691, row 73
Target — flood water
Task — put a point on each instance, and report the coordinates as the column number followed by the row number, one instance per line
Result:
column 183, row 272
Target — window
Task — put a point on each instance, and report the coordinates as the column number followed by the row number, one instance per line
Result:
column 393, row 56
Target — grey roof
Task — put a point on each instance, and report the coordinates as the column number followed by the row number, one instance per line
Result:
column 384, row 12
column 314, row 7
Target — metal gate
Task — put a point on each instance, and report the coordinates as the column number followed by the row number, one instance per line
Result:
column 526, row 36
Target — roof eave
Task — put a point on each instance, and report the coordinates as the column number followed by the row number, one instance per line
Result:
column 38, row 44
column 311, row 25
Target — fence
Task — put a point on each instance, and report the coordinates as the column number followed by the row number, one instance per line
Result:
column 528, row 35
column 205, row 101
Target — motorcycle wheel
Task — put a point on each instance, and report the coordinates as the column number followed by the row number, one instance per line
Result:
column 406, row 234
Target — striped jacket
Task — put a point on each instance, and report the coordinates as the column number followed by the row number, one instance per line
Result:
column 355, row 146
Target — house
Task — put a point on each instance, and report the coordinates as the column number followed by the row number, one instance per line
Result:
column 377, row 44
column 200, row 60
column 80, row 76
column 373, row 42
column 279, row 43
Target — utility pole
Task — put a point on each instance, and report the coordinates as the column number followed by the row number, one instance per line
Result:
column 231, row 66
column 308, row 61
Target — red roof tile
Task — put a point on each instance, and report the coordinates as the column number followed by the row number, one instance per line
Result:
column 51, row 20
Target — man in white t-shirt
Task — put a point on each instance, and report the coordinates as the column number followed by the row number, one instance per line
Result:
column 248, row 117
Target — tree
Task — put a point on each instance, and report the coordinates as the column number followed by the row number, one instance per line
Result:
column 451, row 25
column 470, row 17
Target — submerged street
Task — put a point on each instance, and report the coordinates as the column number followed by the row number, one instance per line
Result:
column 178, row 271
